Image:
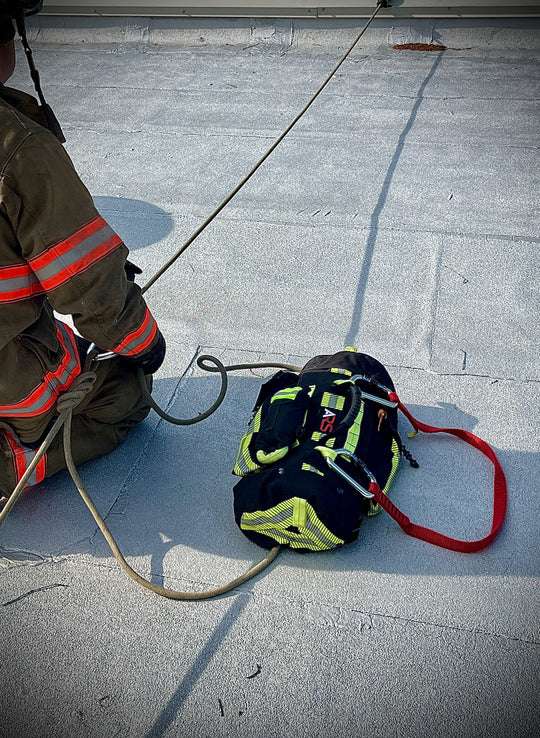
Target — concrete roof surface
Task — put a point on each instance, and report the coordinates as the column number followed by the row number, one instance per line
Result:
column 399, row 216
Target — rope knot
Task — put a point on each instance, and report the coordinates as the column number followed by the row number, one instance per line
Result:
column 78, row 390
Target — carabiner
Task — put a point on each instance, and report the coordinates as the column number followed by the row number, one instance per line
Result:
column 373, row 398
column 100, row 357
column 343, row 474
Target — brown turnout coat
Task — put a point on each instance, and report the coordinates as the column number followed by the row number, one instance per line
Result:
column 57, row 253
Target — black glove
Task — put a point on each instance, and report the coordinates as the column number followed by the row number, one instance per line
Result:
column 151, row 360
column 131, row 270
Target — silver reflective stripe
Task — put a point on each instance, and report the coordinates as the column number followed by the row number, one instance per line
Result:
column 29, row 458
column 319, row 534
column 75, row 253
column 276, row 519
column 15, row 284
column 296, row 542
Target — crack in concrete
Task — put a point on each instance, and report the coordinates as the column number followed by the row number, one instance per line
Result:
column 370, row 623
column 120, row 504
column 457, row 628
column 512, row 238
column 25, row 564
column 523, row 380
column 262, row 355
column 33, row 591
column 9, row 554
column 365, row 626
column 434, row 304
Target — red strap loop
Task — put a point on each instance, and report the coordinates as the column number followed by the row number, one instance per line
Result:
column 431, row 536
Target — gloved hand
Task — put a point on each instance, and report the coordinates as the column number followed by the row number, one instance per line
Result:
column 131, row 270
column 151, row 360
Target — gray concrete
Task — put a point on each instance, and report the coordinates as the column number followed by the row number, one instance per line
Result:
column 399, row 216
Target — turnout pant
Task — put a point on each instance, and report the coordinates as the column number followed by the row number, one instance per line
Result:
column 100, row 423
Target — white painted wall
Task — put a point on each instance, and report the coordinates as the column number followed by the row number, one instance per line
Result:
column 292, row 8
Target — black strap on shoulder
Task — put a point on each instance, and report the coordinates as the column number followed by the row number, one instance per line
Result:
column 52, row 124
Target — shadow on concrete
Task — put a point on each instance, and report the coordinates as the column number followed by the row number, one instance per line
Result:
column 138, row 223
column 351, row 337
column 169, row 714
column 178, row 498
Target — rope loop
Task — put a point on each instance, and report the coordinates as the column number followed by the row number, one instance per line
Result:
column 76, row 393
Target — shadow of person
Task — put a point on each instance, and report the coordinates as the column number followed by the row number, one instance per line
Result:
column 177, row 504
column 139, row 224
column 171, row 493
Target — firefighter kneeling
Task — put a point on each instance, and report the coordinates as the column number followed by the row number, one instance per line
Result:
column 57, row 253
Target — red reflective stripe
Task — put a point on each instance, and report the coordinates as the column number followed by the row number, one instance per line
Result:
column 18, row 457
column 69, row 355
column 23, row 294
column 134, row 336
column 55, row 266
column 44, row 386
column 22, row 458
column 82, row 264
column 76, row 253
column 20, row 272
column 38, row 262
column 143, row 346
column 45, row 394
column 15, row 272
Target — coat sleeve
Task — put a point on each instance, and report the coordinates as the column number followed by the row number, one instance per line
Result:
column 76, row 257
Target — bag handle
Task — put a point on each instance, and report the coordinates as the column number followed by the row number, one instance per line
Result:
column 432, row 536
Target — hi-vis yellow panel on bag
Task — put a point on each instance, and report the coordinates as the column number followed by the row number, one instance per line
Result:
column 294, row 523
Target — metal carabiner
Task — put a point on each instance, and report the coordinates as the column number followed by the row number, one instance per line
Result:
column 373, row 398
column 100, row 357
column 343, row 474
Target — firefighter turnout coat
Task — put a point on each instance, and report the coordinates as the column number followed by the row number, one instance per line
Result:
column 57, row 253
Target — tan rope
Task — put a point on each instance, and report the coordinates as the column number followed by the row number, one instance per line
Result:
column 163, row 591
column 66, row 403
column 218, row 367
column 226, row 201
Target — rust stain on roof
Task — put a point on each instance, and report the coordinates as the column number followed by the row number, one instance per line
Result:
column 420, row 47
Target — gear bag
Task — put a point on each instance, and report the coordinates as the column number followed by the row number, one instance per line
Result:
column 321, row 452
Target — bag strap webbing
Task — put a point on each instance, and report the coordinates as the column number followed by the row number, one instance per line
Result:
column 431, row 536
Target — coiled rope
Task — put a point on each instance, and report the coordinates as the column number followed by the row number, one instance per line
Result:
column 83, row 384
column 65, row 405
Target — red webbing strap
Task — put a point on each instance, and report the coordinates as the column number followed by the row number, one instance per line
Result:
column 431, row 536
